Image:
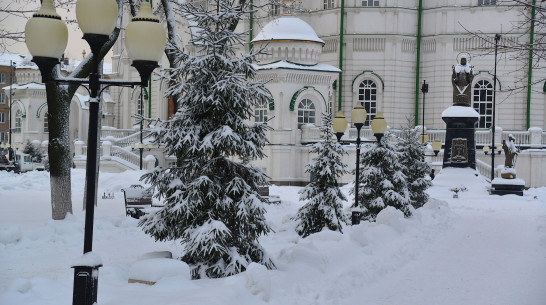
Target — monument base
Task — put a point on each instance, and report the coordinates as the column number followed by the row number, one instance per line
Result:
column 501, row 186
column 460, row 142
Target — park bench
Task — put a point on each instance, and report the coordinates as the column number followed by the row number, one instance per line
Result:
column 264, row 192
column 137, row 198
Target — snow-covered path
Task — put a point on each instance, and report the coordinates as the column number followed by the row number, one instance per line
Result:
column 488, row 257
column 475, row 250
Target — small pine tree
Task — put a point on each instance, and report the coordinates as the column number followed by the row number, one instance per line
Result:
column 325, row 205
column 33, row 151
column 212, row 204
column 382, row 180
column 415, row 167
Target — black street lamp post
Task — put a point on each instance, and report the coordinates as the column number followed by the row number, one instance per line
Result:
column 11, row 72
column 358, row 117
column 46, row 38
column 424, row 89
column 497, row 38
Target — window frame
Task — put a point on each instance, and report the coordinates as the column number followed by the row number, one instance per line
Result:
column 482, row 102
column 3, row 98
column 370, row 3
column 46, row 122
column 308, row 113
column 328, row 4
column 2, row 117
column 18, row 121
column 2, row 77
column 275, row 9
column 487, row 2
column 261, row 112
column 367, row 96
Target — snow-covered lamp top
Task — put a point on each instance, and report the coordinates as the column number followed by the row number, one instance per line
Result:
column 291, row 39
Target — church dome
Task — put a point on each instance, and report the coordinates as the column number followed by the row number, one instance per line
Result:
column 289, row 39
column 287, row 28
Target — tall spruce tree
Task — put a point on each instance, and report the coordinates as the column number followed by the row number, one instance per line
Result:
column 382, row 180
column 325, row 205
column 416, row 168
column 212, row 204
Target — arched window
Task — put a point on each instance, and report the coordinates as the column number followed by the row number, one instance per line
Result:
column 367, row 95
column 306, row 112
column 46, row 122
column 260, row 112
column 18, row 120
column 483, row 103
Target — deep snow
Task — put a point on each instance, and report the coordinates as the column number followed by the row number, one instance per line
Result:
column 477, row 249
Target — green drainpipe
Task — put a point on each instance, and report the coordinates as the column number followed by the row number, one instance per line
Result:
column 340, row 82
column 418, row 61
column 150, row 90
column 251, row 26
column 530, row 72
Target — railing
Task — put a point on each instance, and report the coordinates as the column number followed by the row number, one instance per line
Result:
column 126, row 155
column 483, row 168
column 116, row 133
column 531, row 138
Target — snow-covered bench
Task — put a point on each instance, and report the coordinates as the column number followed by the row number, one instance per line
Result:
column 136, row 200
column 264, row 192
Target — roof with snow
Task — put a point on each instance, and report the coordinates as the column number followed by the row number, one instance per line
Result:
column 282, row 64
column 287, row 28
column 33, row 86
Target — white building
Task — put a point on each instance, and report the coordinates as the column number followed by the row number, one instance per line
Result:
column 336, row 53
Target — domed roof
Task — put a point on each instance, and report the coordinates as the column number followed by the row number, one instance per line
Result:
column 287, row 28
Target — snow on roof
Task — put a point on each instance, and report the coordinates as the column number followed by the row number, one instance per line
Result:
column 460, row 112
column 34, row 86
column 282, row 64
column 83, row 99
column 287, row 28
column 7, row 58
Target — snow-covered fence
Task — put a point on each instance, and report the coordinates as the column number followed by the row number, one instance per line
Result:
column 535, row 137
column 483, row 168
column 116, row 133
column 124, row 154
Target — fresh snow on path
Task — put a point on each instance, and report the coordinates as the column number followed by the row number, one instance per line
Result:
column 477, row 250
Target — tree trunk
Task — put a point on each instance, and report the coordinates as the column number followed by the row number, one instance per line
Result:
column 58, row 103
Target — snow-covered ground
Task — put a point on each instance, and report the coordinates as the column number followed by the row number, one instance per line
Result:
column 477, row 249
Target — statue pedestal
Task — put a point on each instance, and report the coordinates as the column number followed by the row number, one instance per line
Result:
column 460, row 142
column 501, row 186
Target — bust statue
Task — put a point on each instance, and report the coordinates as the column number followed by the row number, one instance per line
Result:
column 462, row 82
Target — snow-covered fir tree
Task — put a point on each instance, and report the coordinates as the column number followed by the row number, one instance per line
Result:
column 325, row 206
column 416, row 168
column 382, row 180
column 33, row 151
column 212, row 204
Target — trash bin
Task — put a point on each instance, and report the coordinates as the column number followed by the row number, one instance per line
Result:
column 86, row 280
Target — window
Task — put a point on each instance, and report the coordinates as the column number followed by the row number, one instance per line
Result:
column 370, row 2
column 483, row 103
column 2, row 78
column 46, row 122
column 486, row 2
column 260, row 112
column 18, row 117
column 306, row 112
column 367, row 95
column 328, row 4
column 2, row 117
column 275, row 9
column 140, row 104
column 2, row 98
